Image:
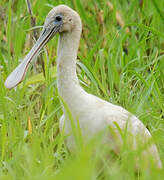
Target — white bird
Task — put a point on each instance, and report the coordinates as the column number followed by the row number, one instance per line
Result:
column 93, row 113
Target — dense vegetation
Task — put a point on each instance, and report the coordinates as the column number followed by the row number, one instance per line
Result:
column 120, row 59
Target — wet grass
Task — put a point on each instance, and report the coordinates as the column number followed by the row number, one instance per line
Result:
column 123, row 66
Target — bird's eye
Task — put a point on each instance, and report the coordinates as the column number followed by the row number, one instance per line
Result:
column 58, row 18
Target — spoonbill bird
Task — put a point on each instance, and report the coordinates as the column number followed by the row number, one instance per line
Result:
column 93, row 113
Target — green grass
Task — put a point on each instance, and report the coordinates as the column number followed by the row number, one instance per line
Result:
column 134, row 80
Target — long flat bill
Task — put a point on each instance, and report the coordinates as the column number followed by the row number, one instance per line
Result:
column 19, row 73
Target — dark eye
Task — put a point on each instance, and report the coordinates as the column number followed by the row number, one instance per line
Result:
column 58, row 18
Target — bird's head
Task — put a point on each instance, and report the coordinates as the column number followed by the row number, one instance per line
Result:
column 61, row 19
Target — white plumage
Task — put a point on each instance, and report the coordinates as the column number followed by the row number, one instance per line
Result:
column 93, row 113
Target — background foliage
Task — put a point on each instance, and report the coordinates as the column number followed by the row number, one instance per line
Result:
column 120, row 59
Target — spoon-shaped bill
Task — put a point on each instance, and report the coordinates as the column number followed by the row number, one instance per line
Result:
column 19, row 73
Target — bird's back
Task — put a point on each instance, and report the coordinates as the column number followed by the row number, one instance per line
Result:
column 95, row 115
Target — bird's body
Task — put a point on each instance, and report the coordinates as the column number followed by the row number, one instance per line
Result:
column 93, row 113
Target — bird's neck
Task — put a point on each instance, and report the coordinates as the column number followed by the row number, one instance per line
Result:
column 67, row 82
